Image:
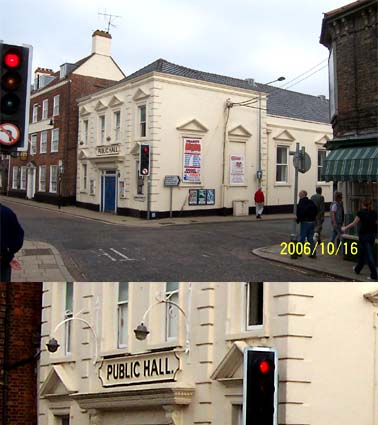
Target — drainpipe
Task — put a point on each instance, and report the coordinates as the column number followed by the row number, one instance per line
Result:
column 66, row 148
column 228, row 109
column 259, row 175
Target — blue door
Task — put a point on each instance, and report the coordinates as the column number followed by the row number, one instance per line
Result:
column 109, row 193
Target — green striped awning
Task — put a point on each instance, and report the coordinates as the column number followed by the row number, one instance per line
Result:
column 352, row 164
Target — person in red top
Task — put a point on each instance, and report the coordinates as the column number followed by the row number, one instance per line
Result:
column 259, row 200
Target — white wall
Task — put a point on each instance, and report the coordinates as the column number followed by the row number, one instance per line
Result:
column 325, row 335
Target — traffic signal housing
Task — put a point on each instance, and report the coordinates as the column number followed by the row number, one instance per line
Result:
column 260, row 386
column 15, row 75
column 144, row 159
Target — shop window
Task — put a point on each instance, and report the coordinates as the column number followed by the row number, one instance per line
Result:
column 123, row 312
column 282, row 164
column 253, row 305
column 171, row 311
column 321, row 157
column 68, row 314
column 142, row 121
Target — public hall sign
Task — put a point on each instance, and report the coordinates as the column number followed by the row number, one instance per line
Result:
column 108, row 150
column 139, row 369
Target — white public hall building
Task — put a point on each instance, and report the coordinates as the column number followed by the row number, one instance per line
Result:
column 189, row 368
column 222, row 136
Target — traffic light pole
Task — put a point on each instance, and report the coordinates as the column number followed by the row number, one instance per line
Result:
column 149, row 184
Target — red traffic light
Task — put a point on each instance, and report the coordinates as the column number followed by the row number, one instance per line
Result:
column 145, row 149
column 12, row 59
column 264, row 366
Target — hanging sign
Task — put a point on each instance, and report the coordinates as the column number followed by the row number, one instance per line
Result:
column 192, row 161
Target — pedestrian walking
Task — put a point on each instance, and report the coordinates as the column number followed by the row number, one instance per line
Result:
column 306, row 216
column 337, row 218
column 318, row 200
column 12, row 239
column 259, row 201
column 367, row 233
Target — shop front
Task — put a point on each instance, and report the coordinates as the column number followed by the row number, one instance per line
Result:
column 353, row 164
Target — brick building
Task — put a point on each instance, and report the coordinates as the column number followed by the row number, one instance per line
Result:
column 350, row 34
column 20, row 322
column 48, row 172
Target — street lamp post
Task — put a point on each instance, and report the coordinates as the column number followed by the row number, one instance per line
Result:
column 141, row 331
column 53, row 344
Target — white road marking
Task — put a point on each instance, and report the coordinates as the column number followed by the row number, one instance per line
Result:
column 122, row 255
column 106, row 254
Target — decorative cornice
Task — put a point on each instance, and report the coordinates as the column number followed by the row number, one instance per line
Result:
column 135, row 398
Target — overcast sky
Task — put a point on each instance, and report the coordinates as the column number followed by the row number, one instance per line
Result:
column 260, row 39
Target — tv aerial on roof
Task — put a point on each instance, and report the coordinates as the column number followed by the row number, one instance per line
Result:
column 109, row 17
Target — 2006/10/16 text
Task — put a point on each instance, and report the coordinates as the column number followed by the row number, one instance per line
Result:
column 329, row 248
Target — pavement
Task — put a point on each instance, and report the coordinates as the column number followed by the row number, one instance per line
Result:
column 41, row 262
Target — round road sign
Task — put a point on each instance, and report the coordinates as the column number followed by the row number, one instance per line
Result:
column 9, row 134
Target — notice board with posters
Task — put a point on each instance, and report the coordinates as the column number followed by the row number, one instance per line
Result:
column 192, row 161
column 201, row 197
column 237, row 170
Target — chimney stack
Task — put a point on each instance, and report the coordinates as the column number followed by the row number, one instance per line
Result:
column 101, row 41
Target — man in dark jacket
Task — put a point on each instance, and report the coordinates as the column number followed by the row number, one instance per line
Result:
column 306, row 216
column 318, row 200
column 11, row 241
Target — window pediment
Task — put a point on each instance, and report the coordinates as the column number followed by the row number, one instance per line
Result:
column 100, row 106
column 230, row 369
column 84, row 111
column 82, row 155
column 193, row 126
column 115, row 101
column 140, row 95
column 239, row 131
column 323, row 140
column 284, row 136
column 57, row 383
